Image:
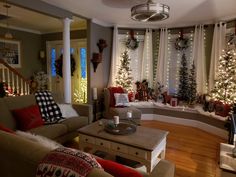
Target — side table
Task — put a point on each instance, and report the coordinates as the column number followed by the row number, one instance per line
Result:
column 227, row 161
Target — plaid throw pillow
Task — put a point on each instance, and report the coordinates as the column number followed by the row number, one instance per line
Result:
column 50, row 111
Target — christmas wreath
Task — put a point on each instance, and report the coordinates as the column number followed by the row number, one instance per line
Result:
column 132, row 42
column 181, row 43
column 59, row 64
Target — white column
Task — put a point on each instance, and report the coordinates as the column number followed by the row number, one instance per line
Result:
column 66, row 61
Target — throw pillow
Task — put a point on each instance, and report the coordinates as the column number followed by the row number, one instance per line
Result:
column 112, row 97
column 48, row 143
column 28, row 117
column 116, row 169
column 49, row 109
column 67, row 110
column 66, row 162
column 121, row 99
column 5, row 129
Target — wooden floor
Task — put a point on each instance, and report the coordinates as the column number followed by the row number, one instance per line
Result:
column 194, row 152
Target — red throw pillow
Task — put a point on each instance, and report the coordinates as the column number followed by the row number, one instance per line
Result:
column 116, row 169
column 28, row 118
column 5, row 129
column 112, row 97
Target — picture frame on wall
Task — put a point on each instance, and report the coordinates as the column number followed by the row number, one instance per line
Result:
column 10, row 52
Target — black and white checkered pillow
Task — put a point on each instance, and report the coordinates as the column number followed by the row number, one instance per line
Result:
column 50, row 111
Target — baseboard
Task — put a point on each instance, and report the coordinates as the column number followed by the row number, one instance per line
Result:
column 192, row 123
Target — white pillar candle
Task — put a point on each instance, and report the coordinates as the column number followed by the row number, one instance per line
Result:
column 129, row 114
column 95, row 93
column 116, row 120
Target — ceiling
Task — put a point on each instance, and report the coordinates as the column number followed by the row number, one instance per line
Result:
column 182, row 12
column 117, row 12
column 27, row 20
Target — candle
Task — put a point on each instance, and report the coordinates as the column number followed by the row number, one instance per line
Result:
column 129, row 114
column 116, row 120
column 95, row 93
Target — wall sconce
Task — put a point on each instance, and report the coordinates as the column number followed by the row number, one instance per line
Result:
column 97, row 57
column 41, row 54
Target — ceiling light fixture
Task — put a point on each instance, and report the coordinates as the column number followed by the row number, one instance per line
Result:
column 150, row 12
column 7, row 35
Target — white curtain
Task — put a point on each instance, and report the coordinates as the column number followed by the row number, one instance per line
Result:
column 199, row 59
column 218, row 44
column 114, row 59
column 162, row 73
column 147, row 59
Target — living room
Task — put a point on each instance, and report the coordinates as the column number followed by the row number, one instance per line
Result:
column 93, row 45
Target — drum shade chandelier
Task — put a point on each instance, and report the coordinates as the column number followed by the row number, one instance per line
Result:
column 150, row 12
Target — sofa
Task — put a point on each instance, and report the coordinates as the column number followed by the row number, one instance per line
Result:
column 19, row 157
column 60, row 132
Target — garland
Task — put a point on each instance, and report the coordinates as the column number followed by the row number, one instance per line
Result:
column 59, row 64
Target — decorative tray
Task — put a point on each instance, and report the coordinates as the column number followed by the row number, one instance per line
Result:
column 121, row 129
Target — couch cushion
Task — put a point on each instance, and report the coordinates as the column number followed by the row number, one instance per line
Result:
column 75, row 123
column 6, row 117
column 5, row 129
column 19, row 101
column 28, row 118
column 50, row 131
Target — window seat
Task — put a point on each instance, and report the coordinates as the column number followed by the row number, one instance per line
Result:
column 195, row 117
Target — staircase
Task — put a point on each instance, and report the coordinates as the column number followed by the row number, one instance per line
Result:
column 15, row 84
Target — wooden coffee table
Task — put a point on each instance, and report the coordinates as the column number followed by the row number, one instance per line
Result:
column 146, row 145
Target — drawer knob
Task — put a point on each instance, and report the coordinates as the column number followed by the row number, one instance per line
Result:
column 136, row 153
column 101, row 144
column 86, row 139
column 118, row 148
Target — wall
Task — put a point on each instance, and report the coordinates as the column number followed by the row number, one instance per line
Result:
column 30, row 47
column 99, row 79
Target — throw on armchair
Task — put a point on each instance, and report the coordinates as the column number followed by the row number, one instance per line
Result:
column 111, row 110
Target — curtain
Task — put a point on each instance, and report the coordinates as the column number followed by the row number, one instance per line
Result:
column 114, row 59
column 147, row 59
column 218, row 44
column 162, row 73
column 199, row 59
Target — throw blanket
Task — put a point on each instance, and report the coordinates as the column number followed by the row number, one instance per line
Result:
column 50, row 111
column 66, row 162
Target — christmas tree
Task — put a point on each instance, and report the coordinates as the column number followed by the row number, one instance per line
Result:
column 124, row 78
column 183, row 79
column 192, row 88
column 225, row 84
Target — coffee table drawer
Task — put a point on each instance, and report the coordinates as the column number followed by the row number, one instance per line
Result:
column 137, row 152
column 87, row 139
column 103, row 143
column 119, row 148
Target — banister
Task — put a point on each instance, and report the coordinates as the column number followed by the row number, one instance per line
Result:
column 13, row 70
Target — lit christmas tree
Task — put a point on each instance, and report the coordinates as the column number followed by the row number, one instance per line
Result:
column 192, row 88
column 225, row 84
column 183, row 79
column 124, row 78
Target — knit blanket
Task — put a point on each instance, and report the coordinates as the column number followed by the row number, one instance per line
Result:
column 66, row 162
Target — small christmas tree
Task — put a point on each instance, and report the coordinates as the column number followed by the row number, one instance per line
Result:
column 183, row 79
column 124, row 78
column 192, row 89
column 225, row 84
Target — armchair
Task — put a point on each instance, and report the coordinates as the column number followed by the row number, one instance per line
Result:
column 110, row 111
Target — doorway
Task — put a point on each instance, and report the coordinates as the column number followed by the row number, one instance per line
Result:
column 78, row 75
